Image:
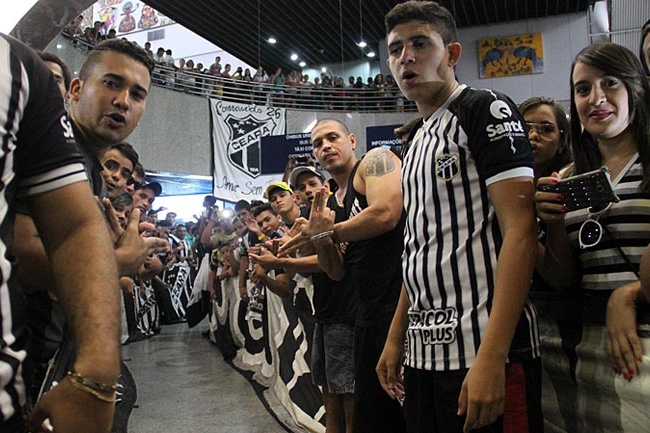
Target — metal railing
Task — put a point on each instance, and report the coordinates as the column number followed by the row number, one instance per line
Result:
column 305, row 96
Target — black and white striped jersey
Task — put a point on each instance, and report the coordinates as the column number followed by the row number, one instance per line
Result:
column 626, row 225
column 452, row 238
column 38, row 155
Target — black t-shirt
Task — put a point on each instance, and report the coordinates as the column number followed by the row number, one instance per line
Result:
column 334, row 301
column 374, row 265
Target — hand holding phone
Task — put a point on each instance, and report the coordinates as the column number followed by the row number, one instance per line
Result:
column 584, row 190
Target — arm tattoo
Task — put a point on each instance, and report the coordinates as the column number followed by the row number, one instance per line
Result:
column 380, row 164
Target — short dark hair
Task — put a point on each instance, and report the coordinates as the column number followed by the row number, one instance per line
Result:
column 128, row 151
column 340, row 122
column 242, row 205
column 139, row 170
column 210, row 199
column 122, row 199
column 427, row 12
column 257, row 210
column 121, row 46
column 53, row 58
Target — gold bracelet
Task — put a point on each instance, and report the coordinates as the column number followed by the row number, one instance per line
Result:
column 100, row 390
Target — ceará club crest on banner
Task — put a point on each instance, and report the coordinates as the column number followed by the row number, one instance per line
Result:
column 244, row 141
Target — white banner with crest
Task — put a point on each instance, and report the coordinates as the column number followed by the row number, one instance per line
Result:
column 236, row 132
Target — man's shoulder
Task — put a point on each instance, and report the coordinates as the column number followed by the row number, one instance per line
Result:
column 471, row 96
column 478, row 106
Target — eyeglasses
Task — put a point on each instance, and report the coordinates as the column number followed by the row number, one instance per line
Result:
column 591, row 231
column 545, row 130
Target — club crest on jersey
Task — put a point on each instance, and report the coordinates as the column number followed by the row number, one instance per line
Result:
column 447, row 166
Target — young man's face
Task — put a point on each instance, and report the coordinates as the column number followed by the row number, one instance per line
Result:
column 181, row 232
column 135, row 177
column 116, row 171
column 143, row 199
column 58, row 77
column 109, row 103
column 308, row 186
column 419, row 60
column 268, row 222
column 332, row 146
column 243, row 214
column 281, row 201
column 122, row 213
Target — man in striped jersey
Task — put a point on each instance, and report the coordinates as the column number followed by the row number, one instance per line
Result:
column 42, row 164
column 472, row 357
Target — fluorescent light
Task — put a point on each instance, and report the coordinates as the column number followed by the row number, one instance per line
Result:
column 294, row 57
column 323, row 69
column 271, row 40
column 362, row 44
column 302, row 64
column 371, row 54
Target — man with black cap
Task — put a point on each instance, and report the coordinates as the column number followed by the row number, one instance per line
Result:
column 307, row 181
column 145, row 194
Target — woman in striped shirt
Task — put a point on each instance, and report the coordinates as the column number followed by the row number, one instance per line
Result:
column 594, row 254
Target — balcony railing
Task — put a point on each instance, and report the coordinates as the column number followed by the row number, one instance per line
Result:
column 304, row 96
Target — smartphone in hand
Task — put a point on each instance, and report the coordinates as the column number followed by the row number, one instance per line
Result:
column 584, row 190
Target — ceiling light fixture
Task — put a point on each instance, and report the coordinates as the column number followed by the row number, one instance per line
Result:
column 371, row 54
column 362, row 44
column 294, row 57
column 302, row 64
column 271, row 40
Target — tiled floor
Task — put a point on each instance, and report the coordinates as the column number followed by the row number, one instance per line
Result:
column 184, row 386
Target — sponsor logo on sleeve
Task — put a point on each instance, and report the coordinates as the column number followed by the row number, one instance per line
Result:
column 509, row 129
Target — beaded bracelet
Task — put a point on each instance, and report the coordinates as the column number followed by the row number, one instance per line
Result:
column 100, row 390
column 322, row 235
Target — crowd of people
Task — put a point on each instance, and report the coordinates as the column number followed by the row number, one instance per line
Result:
column 281, row 89
column 454, row 287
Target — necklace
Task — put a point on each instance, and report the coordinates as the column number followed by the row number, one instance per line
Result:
column 340, row 195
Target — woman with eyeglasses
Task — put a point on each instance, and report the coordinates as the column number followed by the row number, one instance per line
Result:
column 548, row 132
column 593, row 254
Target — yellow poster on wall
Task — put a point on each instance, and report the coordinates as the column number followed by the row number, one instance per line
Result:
column 511, row 55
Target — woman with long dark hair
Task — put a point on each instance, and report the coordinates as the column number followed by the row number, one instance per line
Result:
column 594, row 254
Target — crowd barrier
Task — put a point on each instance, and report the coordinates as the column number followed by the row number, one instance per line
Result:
column 275, row 347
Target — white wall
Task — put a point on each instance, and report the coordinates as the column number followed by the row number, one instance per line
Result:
column 188, row 45
column 563, row 37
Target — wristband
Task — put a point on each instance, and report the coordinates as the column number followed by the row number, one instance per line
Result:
column 261, row 236
column 100, row 390
column 322, row 235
